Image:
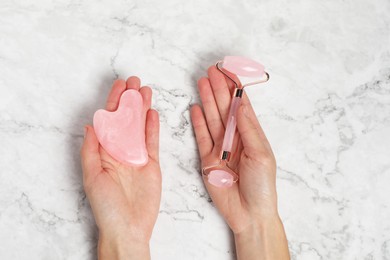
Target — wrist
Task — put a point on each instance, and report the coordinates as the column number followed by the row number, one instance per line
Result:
column 263, row 239
column 122, row 247
column 259, row 227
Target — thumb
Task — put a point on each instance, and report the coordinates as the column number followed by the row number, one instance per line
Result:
column 247, row 123
column 90, row 156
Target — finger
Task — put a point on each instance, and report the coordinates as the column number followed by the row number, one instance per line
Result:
column 203, row 138
column 254, row 146
column 213, row 118
column 117, row 89
column 133, row 82
column 152, row 134
column 221, row 92
column 146, row 94
column 252, row 115
column 90, row 156
column 232, row 80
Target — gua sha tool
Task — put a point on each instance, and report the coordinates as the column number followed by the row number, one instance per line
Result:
column 122, row 132
column 221, row 175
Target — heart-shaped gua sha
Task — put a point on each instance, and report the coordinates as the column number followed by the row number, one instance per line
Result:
column 122, row 132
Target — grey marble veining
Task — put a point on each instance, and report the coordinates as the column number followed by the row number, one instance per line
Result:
column 326, row 112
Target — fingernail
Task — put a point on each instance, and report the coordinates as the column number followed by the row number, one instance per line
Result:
column 85, row 131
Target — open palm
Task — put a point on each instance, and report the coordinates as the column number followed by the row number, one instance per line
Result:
column 124, row 199
column 254, row 195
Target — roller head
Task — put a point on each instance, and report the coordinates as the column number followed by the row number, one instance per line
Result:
column 243, row 67
column 220, row 178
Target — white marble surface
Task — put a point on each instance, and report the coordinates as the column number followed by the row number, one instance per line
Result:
column 326, row 112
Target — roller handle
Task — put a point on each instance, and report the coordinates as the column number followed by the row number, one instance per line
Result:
column 231, row 125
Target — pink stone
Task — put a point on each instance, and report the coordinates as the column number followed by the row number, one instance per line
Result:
column 220, row 178
column 242, row 66
column 122, row 132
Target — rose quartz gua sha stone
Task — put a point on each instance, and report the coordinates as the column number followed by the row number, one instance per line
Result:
column 122, row 132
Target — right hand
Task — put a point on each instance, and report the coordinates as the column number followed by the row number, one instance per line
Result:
column 253, row 198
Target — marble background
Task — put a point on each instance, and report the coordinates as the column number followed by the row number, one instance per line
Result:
column 326, row 111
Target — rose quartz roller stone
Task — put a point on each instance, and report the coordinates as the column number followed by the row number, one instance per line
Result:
column 122, row 132
column 243, row 67
column 221, row 175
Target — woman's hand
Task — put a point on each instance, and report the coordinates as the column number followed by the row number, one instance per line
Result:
column 250, row 205
column 125, row 200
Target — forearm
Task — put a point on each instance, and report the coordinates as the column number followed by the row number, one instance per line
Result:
column 263, row 240
column 114, row 248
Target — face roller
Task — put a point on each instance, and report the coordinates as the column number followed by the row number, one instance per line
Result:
column 250, row 73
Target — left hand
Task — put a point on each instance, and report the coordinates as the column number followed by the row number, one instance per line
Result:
column 125, row 200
